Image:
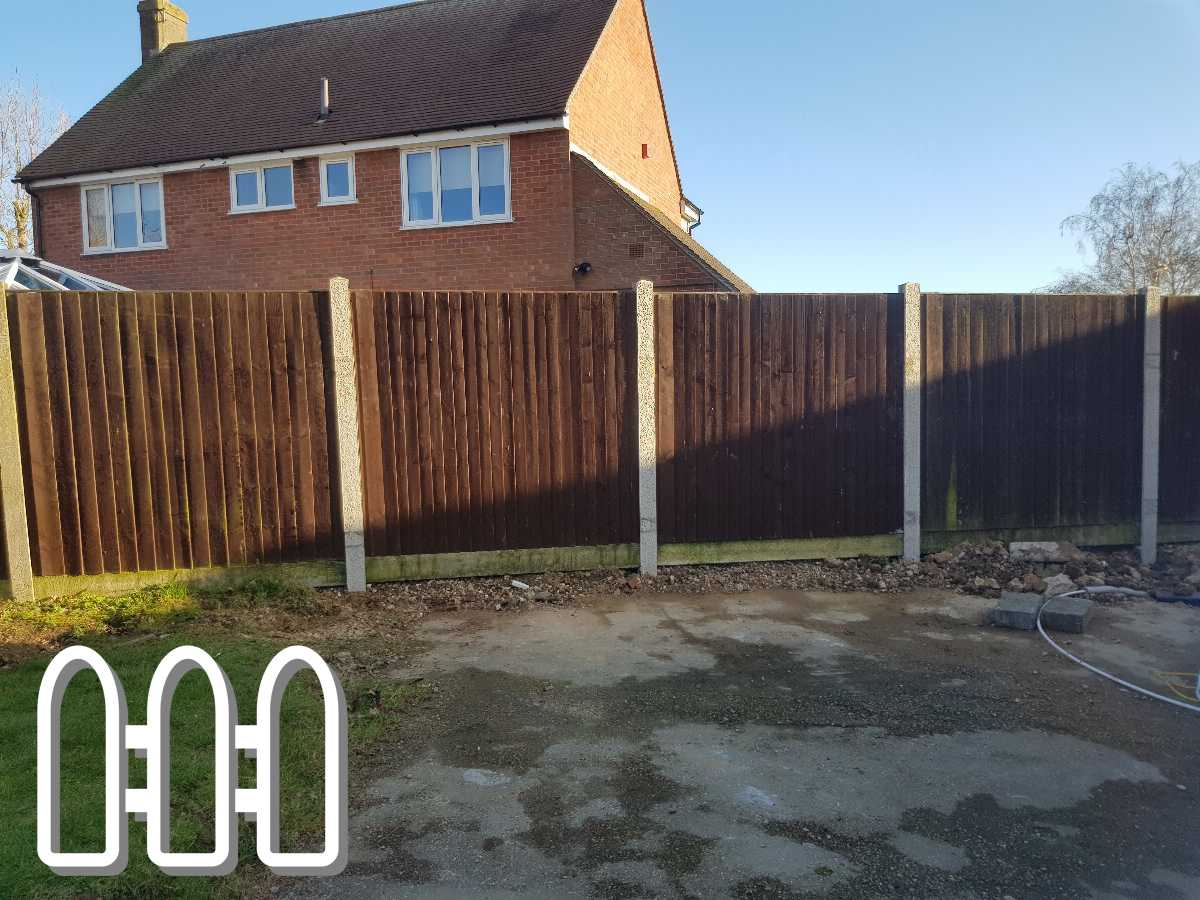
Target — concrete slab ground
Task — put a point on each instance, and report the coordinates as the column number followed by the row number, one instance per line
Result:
column 781, row 746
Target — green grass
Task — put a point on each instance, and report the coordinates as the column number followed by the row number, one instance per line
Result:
column 374, row 710
column 86, row 615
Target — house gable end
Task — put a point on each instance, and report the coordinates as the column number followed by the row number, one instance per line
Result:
column 617, row 108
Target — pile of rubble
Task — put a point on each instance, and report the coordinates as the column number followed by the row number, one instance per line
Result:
column 982, row 568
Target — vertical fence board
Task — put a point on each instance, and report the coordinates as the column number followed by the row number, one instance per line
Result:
column 225, row 405
column 328, row 539
column 302, row 445
column 32, row 376
column 191, row 437
column 127, row 511
column 367, row 308
column 212, row 428
column 131, row 405
column 1179, row 485
column 242, row 320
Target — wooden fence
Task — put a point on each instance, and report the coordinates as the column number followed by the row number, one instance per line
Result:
column 173, row 431
column 495, row 421
column 500, row 432
column 1179, row 485
column 1032, row 412
column 778, row 417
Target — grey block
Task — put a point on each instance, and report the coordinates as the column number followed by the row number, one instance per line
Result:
column 1069, row 614
column 1017, row 611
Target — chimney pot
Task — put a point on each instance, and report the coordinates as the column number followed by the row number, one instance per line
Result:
column 162, row 24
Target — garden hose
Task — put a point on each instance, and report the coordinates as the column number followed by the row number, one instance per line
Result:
column 1113, row 678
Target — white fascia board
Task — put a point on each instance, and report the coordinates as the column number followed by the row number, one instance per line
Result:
column 629, row 186
column 410, row 140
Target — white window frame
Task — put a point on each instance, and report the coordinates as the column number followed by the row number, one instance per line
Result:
column 110, row 246
column 326, row 200
column 476, row 218
column 261, row 205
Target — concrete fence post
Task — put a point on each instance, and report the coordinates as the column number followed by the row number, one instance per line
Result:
column 647, row 366
column 911, row 292
column 1152, row 304
column 12, row 480
column 349, row 456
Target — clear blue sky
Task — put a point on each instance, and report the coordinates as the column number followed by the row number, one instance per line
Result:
column 835, row 146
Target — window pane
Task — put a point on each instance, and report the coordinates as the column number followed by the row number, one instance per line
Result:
column 277, row 185
column 124, row 216
column 151, row 199
column 246, row 188
column 420, row 187
column 97, row 218
column 454, row 164
column 337, row 180
column 491, row 181
column 25, row 280
column 74, row 284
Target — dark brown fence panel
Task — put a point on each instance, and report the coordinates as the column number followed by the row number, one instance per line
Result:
column 779, row 416
column 1032, row 411
column 181, row 430
column 496, row 420
column 1179, row 476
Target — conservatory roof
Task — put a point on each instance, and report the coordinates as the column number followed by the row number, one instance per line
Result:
column 20, row 271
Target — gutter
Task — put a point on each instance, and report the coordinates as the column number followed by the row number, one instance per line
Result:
column 414, row 139
column 35, row 209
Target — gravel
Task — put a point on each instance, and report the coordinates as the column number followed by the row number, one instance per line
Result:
column 980, row 568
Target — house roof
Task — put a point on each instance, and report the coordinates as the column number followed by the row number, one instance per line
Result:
column 420, row 67
column 684, row 240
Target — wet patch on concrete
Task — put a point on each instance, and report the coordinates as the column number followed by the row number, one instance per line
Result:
column 788, row 756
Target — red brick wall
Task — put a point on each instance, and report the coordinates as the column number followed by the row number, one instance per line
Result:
column 624, row 244
column 618, row 106
column 299, row 249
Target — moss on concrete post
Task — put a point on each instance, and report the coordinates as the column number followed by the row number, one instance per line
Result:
column 647, row 429
column 345, row 382
column 12, row 481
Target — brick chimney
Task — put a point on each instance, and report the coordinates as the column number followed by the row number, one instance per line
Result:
column 162, row 23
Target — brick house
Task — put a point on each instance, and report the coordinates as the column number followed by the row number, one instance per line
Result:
column 457, row 144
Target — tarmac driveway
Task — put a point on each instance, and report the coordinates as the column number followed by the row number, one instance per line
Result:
column 782, row 745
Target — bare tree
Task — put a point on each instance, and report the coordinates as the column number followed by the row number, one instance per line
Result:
column 27, row 126
column 1142, row 229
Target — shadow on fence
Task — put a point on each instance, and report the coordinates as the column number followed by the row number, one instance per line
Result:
column 522, row 433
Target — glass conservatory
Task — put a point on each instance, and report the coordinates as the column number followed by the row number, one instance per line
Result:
column 21, row 271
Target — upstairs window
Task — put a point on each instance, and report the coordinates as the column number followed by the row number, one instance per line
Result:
column 337, row 180
column 457, row 184
column 123, row 216
column 261, row 188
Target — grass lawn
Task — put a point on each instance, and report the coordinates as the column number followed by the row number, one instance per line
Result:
column 133, row 633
